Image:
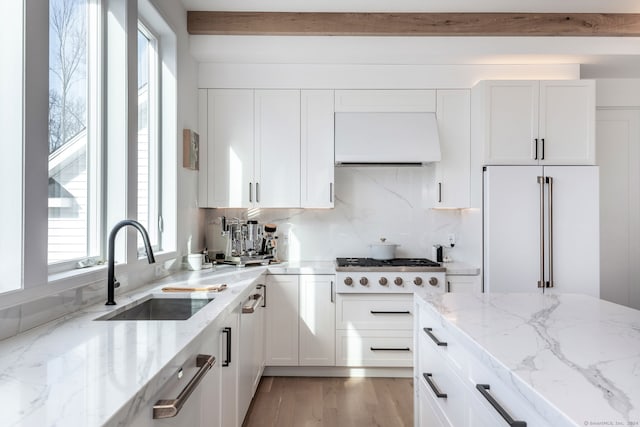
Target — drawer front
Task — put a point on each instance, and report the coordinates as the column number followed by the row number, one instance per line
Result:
column 445, row 380
column 437, row 337
column 383, row 348
column 374, row 312
column 429, row 412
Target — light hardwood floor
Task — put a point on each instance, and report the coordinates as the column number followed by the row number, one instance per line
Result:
column 353, row 402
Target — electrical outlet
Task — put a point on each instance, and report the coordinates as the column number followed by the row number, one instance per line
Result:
column 452, row 239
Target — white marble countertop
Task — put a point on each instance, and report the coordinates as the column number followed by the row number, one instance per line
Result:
column 75, row 371
column 575, row 358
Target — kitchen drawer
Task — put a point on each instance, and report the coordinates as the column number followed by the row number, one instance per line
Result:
column 507, row 395
column 374, row 312
column 446, row 380
column 437, row 338
column 429, row 413
column 381, row 348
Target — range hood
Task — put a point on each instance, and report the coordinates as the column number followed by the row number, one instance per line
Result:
column 393, row 139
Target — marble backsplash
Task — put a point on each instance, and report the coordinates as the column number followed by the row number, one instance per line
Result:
column 370, row 203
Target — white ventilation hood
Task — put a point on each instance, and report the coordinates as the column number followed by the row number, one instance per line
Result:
column 386, row 139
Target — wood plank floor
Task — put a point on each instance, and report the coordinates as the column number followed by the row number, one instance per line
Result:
column 352, row 402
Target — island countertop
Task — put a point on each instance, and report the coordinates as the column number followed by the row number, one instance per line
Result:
column 575, row 358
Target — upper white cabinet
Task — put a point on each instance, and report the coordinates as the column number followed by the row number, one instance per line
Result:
column 535, row 122
column 277, row 149
column 316, row 149
column 226, row 148
column 385, row 101
column 454, row 128
column 250, row 148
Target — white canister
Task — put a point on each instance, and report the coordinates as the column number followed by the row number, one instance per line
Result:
column 194, row 261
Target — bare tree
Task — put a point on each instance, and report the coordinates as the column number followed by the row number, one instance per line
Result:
column 68, row 33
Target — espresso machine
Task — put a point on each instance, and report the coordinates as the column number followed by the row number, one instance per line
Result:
column 247, row 243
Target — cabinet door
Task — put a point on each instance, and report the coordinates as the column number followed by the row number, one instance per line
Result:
column 247, row 367
column 317, row 321
column 317, row 149
column 229, row 161
column 277, row 148
column 567, row 122
column 282, row 320
column 511, row 122
column 466, row 284
column 454, row 129
column 229, row 346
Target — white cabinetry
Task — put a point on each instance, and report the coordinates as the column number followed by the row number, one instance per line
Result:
column 300, row 316
column 277, row 149
column 229, row 346
column 454, row 129
column 316, row 149
column 448, row 378
column 374, row 330
column 250, row 148
column 536, row 122
column 385, row 101
column 251, row 349
column 464, row 283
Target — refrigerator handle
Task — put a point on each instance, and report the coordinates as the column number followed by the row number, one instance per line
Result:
column 549, row 180
column 541, row 182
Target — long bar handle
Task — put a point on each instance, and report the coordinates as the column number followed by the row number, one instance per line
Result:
column 542, row 157
column 439, row 192
column 535, row 149
column 541, row 183
column 390, row 348
column 331, row 192
column 436, row 390
column 227, row 332
column 549, row 283
column 433, row 337
column 171, row 408
column 390, row 312
column 332, row 291
column 250, row 193
column 256, row 300
column 264, row 294
column 257, row 192
column 484, row 390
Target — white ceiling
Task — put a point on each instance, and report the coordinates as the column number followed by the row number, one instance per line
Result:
column 599, row 56
column 601, row 6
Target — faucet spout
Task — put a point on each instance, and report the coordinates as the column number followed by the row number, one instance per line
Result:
column 111, row 280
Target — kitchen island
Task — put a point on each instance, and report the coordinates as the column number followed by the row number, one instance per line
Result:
column 555, row 359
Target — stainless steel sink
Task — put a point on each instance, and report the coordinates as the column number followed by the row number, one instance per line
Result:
column 152, row 308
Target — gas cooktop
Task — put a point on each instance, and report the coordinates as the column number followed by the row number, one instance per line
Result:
column 396, row 264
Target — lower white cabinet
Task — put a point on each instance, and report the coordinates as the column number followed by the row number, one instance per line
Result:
column 455, row 388
column 229, row 346
column 200, row 407
column 300, row 320
column 464, row 283
column 374, row 330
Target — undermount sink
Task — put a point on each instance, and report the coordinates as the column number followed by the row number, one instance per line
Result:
column 152, row 308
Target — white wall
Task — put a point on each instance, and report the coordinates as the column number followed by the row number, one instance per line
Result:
column 370, row 202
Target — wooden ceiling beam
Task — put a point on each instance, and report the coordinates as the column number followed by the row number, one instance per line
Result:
column 414, row 24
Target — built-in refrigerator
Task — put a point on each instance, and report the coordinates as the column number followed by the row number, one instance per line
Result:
column 541, row 229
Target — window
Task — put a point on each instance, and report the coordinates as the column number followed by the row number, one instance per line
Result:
column 149, row 194
column 73, row 199
column 11, row 148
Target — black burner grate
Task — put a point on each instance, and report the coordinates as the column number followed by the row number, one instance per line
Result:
column 396, row 262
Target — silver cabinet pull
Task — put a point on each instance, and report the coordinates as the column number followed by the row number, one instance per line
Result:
column 171, row 408
column 541, row 183
column 484, row 390
column 331, row 192
column 332, row 291
column 439, row 192
column 549, row 284
column 436, row 390
column 257, row 192
column 250, row 193
column 254, row 301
